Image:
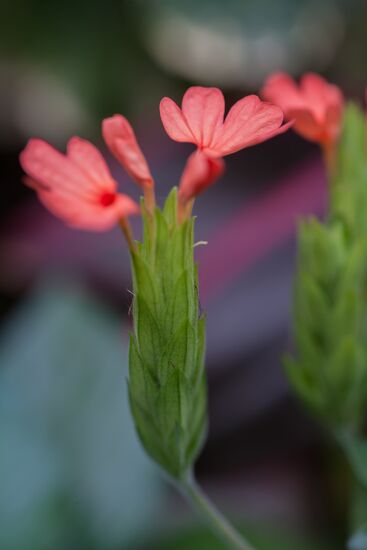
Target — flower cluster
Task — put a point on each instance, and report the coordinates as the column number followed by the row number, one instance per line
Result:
column 315, row 106
column 78, row 186
column 201, row 121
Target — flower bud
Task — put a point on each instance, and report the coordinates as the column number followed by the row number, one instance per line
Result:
column 167, row 385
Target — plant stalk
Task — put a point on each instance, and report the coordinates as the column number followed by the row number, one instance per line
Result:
column 126, row 229
column 219, row 524
column 149, row 197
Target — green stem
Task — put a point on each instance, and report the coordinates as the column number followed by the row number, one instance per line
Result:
column 219, row 524
column 356, row 461
column 126, row 229
column 149, row 197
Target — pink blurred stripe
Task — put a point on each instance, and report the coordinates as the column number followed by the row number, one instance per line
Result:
column 255, row 230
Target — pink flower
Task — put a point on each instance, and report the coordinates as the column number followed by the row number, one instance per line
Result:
column 201, row 170
column 120, row 139
column 315, row 105
column 76, row 187
column 201, row 121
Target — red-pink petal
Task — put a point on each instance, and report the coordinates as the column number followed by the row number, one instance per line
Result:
column 120, row 139
column 72, row 187
column 203, row 109
column 249, row 121
column 51, row 168
column 87, row 215
column 316, row 105
column 85, row 155
column 326, row 101
column 317, row 89
column 174, row 121
column 306, row 124
column 200, row 172
column 33, row 184
column 282, row 90
column 102, row 219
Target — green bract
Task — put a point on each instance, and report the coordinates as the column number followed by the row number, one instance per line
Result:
column 330, row 305
column 167, row 384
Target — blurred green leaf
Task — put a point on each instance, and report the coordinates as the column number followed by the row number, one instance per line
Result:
column 263, row 538
column 72, row 473
column 358, row 541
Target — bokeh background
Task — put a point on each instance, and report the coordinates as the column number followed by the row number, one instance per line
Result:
column 72, row 474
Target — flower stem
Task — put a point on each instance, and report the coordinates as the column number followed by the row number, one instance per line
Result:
column 149, row 197
column 329, row 153
column 126, row 229
column 219, row 524
column 185, row 210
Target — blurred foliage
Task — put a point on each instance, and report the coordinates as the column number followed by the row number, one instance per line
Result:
column 108, row 53
column 330, row 312
column 93, row 46
column 264, row 539
column 358, row 541
column 237, row 43
column 72, row 473
column 330, row 372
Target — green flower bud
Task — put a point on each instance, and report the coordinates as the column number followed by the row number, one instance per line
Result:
column 330, row 306
column 167, row 384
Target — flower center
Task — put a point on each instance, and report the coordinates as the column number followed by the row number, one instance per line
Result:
column 107, row 198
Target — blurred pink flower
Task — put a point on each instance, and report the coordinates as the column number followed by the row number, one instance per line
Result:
column 76, row 187
column 315, row 105
column 120, row 139
column 201, row 121
column 200, row 171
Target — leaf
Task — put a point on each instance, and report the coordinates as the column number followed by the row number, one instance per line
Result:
column 348, row 190
column 142, row 385
column 177, row 304
column 170, row 208
column 175, row 353
column 199, row 364
column 160, row 260
column 312, row 308
column 147, row 247
column 147, row 332
column 345, row 371
column 144, row 284
column 151, row 436
column 345, row 318
column 173, row 402
column 198, row 422
column 306, row 385
column 309, row 348
column 352, row 144
column 321, row 251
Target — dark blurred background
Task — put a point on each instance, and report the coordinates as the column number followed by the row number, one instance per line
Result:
column 72, row 475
